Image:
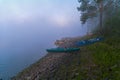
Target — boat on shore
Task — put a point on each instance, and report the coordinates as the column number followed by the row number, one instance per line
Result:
column 62, row 49
column 89, row 41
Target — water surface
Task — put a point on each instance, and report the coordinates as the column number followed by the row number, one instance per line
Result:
column 28, row 28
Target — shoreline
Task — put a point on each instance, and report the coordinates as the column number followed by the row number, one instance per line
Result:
column 46, row 67
column 43, row 68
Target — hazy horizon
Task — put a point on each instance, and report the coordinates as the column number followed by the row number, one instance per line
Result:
column 28, row 17
column 28, row 27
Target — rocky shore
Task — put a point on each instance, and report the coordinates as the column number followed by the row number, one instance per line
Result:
column 43, row 69
column 46, row 67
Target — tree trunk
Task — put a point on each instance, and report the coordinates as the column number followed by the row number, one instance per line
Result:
column 101, row 17
column 116, row 6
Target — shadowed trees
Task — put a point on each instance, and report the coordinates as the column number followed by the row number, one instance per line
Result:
column 97, row 8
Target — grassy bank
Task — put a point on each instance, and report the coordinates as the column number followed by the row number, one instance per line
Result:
column 99, row 61
column 107, row 53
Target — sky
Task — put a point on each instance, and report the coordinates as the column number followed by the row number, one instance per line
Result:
column 23, row 19
column 61, row 12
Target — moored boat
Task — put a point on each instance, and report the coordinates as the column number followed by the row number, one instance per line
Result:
column 89, row 41
column 62, row 49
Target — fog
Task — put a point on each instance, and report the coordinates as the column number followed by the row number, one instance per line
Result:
column 29, row 27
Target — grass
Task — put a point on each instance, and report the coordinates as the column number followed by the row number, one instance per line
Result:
column 99, row 61
column 106, row 54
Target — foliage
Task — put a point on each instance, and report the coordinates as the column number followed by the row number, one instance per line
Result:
column 107, row 53
column 100, row 61
column 91, row 8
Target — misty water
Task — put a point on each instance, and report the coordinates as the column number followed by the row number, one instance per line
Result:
column 30, row 28
column 22, row 45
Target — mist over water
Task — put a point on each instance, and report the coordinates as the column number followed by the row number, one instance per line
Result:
column 25, row 37
column 22, row 45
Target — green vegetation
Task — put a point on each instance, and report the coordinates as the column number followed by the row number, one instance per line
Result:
column 107, row 53
column 102, row 9
column 99, row 61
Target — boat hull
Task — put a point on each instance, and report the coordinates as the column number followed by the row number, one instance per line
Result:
column 63, row 49
column 87, row 42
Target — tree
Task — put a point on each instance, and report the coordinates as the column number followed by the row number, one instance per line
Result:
column 87, row 10
column 117, row 5
column 92, row 8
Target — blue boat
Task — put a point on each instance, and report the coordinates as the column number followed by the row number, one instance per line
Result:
column 81, row 43
column 87, row 42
